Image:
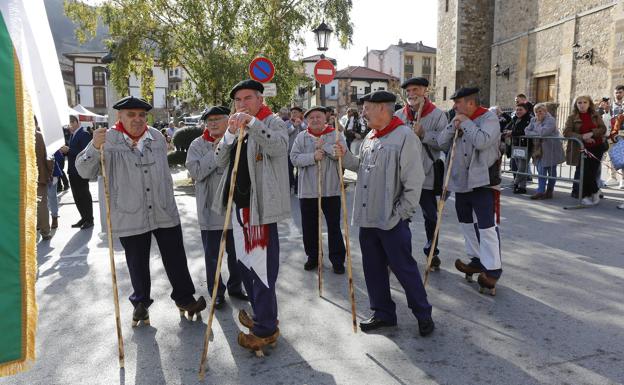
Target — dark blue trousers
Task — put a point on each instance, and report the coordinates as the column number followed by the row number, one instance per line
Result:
column 482, row 239
column 171, row 246
column 383, row 248
column 263, row 300
column 429, row 206
column 211, row 240
column 309, row 224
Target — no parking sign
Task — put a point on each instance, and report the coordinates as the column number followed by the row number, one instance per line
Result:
column 261, row 69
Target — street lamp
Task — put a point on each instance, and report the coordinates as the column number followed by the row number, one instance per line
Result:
column 589, row 55
column 108, row 59
column 322, row 34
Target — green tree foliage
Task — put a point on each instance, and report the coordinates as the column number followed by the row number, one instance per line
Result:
column 214, row 41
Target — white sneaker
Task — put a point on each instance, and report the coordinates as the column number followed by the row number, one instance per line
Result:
column 610, row 181
column 620, row 206
column 596, row 198
column 587, row 201
column 622, row 184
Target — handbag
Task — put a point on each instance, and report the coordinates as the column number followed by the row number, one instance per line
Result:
column 494, row 172
column 616, row 153
column 438, row 172
column 536, row 154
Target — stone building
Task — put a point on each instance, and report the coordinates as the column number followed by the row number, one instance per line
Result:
column 550, row 50
column 354, row 82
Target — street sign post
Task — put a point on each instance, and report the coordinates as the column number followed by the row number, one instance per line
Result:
column 261, row 69
column 324, row 71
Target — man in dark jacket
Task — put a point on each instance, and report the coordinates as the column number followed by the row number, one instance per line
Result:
column 515, row 129
column 79, row 139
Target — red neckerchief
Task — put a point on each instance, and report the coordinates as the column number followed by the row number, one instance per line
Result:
column 394, row 123
column 264, row 112
column 427, row 109
column 480, row 111
column 120, row 127
column 207, row 137
column 255, row 236
column 327, row 130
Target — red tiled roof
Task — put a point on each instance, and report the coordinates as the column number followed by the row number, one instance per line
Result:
column 357, row 72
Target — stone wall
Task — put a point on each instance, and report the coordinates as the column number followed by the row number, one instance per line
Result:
column 446, row 52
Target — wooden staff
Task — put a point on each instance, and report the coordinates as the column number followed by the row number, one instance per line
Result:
column 441, row 203
column 111, row 255
column 343, row 201
column 320, row 226
column 226, row 225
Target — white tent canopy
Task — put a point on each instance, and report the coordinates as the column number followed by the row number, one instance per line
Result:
column 80, row 110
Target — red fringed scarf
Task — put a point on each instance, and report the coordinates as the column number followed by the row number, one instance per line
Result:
column 255, row 236
column 264, row 112
column 427, row 109
column 327, row 130
column 207, row 137
column 394, row 123
column 480, row 111
column 120, row 127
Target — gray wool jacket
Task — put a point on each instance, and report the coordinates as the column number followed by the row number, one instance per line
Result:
column 140, row 183
column 302, row 157
column 552, row 149
column 434, row 123
column 390, row 178
column 476, row 150
column 267, row 158
column 201, row 164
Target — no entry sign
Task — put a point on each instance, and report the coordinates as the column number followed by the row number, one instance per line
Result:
column 261, row 69
column 324, row 71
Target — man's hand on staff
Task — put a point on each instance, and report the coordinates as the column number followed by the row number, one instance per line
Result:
column 339, row 150
column 99, row 137
column 238, row 120
column 457, row 121
column 418, row 130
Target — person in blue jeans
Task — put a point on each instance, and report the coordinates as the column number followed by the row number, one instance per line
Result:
column 543, row 124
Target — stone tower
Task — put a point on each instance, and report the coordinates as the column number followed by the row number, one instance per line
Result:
column 465, row 38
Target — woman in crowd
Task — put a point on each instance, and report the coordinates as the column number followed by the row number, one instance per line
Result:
column 551, row 154
column 585, row 124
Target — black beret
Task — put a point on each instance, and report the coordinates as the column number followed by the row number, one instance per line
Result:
column 296, row 108
column 464, row 91
column 215, row 110
column 316, row 108
column 415, row 81
column 131, row 102
column 379, row 97
column 246, row 85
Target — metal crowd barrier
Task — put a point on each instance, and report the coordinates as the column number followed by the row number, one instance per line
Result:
column 522, row 152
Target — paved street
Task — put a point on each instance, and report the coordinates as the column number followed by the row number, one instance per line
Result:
column 558, row 317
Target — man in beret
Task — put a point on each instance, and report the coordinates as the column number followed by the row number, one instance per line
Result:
column 202, row 166
column 295, row 124
column 474, row 173
column 142, row 203
column 312, row 149
column 389, row 182
column 432, row 121
column 261, row 199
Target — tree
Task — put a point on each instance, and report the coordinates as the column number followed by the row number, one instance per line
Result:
column 213, row 41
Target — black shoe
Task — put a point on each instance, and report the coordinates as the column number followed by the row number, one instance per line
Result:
column 140, row 314
column 425, row 327
column 520, row 190
column 86, row 225
column 311, row 264
column 374, row 323
column 219, row 302
column 574, row 194
column 239, row 295
column 78, row 224
column 435, row 263
column 339, row 269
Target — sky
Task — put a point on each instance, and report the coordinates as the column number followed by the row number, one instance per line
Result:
column 378, row 24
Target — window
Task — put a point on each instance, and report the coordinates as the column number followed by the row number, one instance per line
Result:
column 367, row 90
column 333, row 91
column 409, row 60
column 99, row 76
column 381, row 88
column 426, row 67
column 99, row 97
column 447, row 6
column 544, row 89
column 444, row 93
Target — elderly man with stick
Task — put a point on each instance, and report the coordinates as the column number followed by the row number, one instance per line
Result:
column 473, row 174
column 313, row 152
column 389, row 182
column 261, row 198
column 142, row 204
column 427, row 121
column 202, row 166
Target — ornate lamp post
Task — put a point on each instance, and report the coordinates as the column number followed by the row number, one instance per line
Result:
column 322, row 34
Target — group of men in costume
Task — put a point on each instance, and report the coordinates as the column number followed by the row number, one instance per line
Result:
column 395, row 174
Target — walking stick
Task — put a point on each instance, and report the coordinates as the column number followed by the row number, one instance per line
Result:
column 440, row 209
column 226, row 224
column 343, row 201
column 320, row 226
column 111, row 255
